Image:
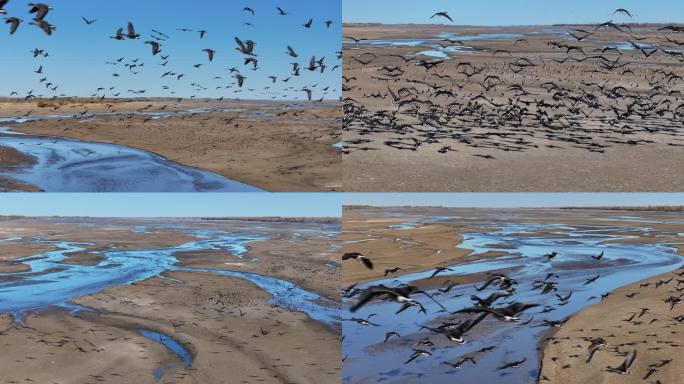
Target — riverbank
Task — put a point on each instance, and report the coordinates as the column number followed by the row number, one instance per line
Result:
column 276, row 146
column 655, row 335
column 211, row 317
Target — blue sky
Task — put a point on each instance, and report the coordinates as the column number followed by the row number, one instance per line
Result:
column 514, row 200
column 78, row 52
column 171, row 204
column 510, row 12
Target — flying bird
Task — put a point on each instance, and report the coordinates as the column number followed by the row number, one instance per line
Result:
column 442, row 14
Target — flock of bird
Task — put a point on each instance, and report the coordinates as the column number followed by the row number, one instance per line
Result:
column 237, row 76
column 589, row 88
column 494, row 298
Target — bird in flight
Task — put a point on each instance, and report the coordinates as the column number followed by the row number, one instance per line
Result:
column 210, row 52
column 442, row 14
column 88, row 22
column 14, row 24
column 622, row 11
column 358, row 257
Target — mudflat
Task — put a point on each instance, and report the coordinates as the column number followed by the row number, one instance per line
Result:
column 514, row 109
column 202, row 319
column 276, row 146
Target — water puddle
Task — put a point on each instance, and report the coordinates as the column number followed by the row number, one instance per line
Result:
column 174, row 346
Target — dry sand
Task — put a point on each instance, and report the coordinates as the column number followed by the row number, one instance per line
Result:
column 531, row 159
column 656, row 337
column 281, row 149
column 412, row 250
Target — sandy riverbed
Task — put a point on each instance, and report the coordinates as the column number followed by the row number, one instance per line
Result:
column 275, row 146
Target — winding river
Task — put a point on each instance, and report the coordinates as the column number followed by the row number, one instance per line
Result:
column 49, row 282
column 71, row 165
column 523, row 244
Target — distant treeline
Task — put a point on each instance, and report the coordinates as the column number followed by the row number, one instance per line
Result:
column 350, row 207
column 272, row 219
column 653, row 208
column 500, row 26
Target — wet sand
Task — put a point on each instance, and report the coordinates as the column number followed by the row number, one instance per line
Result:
column 274, row 146
column 411, row 249
column 656, row 336
column 227, row 324
column 596, row 153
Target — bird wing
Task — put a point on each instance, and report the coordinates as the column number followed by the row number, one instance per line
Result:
column 370, row 294
column 629, row 360
column 241, row 44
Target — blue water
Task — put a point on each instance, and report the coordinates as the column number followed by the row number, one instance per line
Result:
column 433, row 40
column 70, row 165
column 51, row 283
column 173, row 345
column 369, row 360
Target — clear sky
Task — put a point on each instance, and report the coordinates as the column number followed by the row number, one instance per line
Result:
column 510, row 12
column 78, row 52
column 514, row 200
column 171, row 204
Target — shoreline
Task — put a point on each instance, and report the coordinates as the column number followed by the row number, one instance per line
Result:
column 275, row 146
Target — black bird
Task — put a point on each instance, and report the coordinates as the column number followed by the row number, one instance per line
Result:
column 44, row 25
column 131, row 32
column 401, row 295
column 2, row 7
column 390, row 334
column 458, row 363
column 210, row 52
column 358, row 256
column 456, row 334
column 291, row 52
column 308, row 24
column 40, row 9
column 623, row 369
column 416, row 354
column 623, row 11
column 246, row 47
column 508, row 314
column 442, row 14
column 439, row 270
column 88, row 22
column 14, row 23
column 594, row 346
column 591, row 279
column 389, row 271
column 155, row 47
column 513, row 364
column 281, row 12
column 598, row 257
column 489, row 300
